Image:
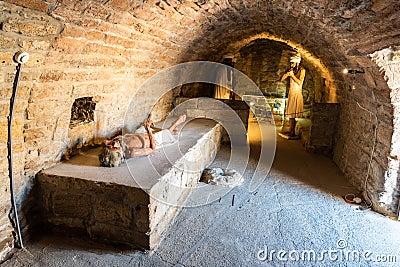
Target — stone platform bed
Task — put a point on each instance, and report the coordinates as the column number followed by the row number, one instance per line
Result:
column 129, row 204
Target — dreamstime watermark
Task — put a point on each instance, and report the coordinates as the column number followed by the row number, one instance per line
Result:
column 339, row 254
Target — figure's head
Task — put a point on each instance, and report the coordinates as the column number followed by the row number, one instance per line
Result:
column 295, row 60
column 111, row 155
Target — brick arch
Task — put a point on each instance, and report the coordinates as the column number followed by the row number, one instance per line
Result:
column 234, row 45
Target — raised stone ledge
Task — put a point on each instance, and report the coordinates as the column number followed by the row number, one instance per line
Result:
column 221, row 109
column 131, row 204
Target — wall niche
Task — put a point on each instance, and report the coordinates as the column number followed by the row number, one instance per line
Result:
column 82, row 126
column 82, row 111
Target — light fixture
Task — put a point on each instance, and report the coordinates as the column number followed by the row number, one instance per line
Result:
column 21, row 57
column 353, row 72
column 347, row 71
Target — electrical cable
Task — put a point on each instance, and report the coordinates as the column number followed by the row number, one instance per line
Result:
column 20, row 58
column 372, row 154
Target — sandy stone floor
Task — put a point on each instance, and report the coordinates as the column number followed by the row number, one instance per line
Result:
column 297, row 217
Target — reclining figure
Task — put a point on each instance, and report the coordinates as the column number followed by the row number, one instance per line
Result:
column 140, row 143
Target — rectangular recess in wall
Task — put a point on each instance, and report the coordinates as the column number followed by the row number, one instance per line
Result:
column 82, row 111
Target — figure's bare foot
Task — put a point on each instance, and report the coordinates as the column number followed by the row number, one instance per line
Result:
column 174, row 127
column 180, row 120
column 148, row 123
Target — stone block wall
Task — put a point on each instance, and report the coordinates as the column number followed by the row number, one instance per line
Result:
column 77, row 49
column 217, row 109
column 109, row 212
column 366, row 136
column 120, row 206
column 324, row 120
column 174, row 187
column 388, row 60
column 264, row 61
column 35, row 32
column 261, row 62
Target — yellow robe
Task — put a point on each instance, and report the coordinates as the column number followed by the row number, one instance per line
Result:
column 295, row 104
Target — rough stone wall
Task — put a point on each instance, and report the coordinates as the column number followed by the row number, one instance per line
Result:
column 219, row 110
column 77, row 49
column 165, row 104
column 264, row 61
column 261, row 62
column 108, row 212
column 194, row 90
column 173, row 188
column 324, row 119
column 36, row 32
column 107, row 205
column 363, row 142
column 106, row 49
column 388, row 61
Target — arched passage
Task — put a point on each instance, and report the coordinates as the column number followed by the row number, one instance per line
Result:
column 362, row 143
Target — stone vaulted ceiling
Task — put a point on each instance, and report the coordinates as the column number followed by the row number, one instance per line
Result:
column 339, row 33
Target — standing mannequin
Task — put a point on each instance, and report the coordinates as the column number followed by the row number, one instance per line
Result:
column 294, row 108
column 224, row 78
